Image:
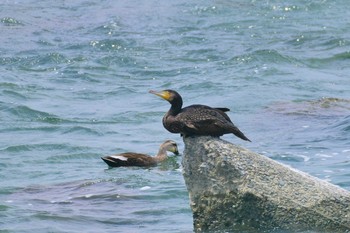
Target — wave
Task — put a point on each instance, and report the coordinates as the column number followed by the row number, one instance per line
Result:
column 336, row 61
column 82, row 130
column 29, row 114
column 343, row 124
column 34, row 147
column 76, row 156
column 264, row 56
column 38, row 63
column 114, row 44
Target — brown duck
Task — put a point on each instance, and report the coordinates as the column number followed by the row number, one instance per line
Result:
column 196, row 119
column 141, row 160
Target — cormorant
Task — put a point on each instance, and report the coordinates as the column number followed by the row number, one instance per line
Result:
column 196, row 119
column 141, row 160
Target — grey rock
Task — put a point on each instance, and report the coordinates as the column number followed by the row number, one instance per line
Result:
column 232, row 189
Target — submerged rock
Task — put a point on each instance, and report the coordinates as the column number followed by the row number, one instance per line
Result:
column 235, row 190
column 320, row 107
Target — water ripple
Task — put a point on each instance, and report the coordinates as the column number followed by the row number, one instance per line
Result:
column 25, row 112
column 337, row 61
column 33, row 147
column 343, row 125
column 37, row 63
column 264, row 56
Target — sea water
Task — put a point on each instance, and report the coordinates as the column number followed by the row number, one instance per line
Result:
column 74, row 82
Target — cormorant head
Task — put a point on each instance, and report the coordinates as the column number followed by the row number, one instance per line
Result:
column 171, row 96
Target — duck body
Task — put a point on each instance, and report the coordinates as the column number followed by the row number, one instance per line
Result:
column 129, row 159
column 196, row 119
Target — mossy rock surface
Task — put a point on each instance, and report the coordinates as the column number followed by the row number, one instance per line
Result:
column 235, row 190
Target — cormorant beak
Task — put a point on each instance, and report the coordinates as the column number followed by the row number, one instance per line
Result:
column 164, row 94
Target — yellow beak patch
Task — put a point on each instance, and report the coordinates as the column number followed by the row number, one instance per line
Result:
column 164, row 94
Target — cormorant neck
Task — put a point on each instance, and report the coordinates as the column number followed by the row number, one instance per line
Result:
column 176, row 106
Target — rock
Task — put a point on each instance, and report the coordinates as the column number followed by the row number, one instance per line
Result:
column 235, row 190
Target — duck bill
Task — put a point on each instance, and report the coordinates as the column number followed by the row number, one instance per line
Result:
column 175, row 151
column 163, row 94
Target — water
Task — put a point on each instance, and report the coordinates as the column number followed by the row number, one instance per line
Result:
column 74, row 86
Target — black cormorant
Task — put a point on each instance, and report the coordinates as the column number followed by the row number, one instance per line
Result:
column 196, row 119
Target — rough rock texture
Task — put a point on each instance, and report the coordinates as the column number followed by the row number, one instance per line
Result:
column 235, row 190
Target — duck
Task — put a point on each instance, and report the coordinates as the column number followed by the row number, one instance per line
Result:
column 128, row 159
column 197, row 119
